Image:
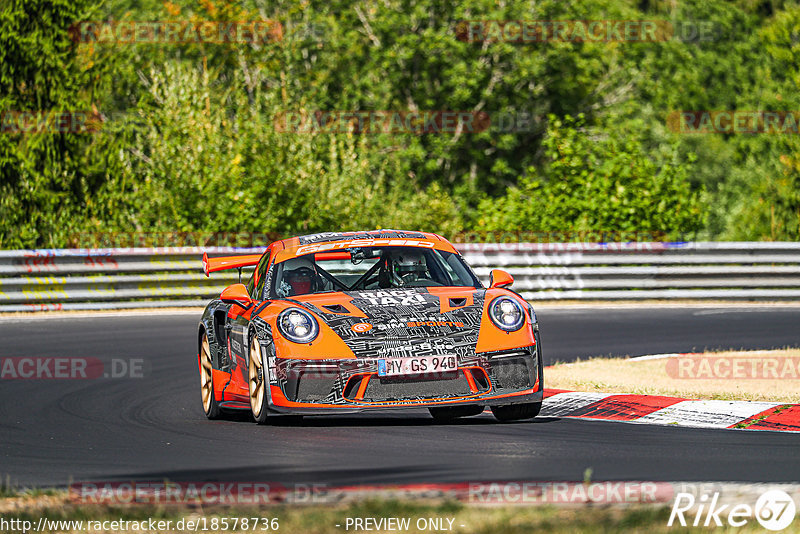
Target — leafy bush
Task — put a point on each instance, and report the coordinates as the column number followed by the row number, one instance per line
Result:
column 595, row 180
column 188, row 139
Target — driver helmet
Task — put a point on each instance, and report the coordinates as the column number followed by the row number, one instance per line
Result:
column 299, row 277
column 408, row 266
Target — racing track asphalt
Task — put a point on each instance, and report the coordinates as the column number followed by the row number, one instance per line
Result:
column 152, row 428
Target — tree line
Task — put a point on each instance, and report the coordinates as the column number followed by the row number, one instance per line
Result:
column 460, row 117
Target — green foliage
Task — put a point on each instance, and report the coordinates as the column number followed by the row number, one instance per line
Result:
column 770, row 207
column 188, row 139
column 203, row 154
column 597, row 180
column 44, row 178
column 772, row 211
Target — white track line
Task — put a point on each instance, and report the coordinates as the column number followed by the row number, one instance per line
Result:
column 663, row 356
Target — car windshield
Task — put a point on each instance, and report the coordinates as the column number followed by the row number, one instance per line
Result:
column 370, row 268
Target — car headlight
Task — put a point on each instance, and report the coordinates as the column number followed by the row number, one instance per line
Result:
column 298, row 325
column 507, row 314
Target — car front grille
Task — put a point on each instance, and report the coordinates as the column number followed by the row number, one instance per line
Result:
column 380, row 390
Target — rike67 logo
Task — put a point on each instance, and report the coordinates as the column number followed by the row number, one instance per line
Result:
column 774, row 510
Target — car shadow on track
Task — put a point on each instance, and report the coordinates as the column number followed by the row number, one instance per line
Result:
column 378, row 419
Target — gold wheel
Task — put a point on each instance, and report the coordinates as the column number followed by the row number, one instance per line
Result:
column 256, row 378
column 210, row 406
column 206, row 385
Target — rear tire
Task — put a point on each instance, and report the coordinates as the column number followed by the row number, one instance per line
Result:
column 517, row 412
column 210, row 404
column 448, row 413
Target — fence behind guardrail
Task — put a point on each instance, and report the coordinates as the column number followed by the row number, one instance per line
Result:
column 82, row 279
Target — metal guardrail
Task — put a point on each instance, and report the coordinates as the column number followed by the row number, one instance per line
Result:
column 81, row 279
column 97, row 279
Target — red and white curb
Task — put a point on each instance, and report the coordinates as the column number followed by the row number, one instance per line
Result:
column 657, row 410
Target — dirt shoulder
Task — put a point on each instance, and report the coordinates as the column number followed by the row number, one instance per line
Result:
column 772, row 375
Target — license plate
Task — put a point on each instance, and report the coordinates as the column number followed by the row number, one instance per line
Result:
column 416, row 366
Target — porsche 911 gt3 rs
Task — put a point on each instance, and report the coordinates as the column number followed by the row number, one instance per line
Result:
column 346, row 322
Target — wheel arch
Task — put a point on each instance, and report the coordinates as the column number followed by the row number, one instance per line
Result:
column 201, row 329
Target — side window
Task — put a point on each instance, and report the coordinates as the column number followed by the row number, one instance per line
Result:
column 261, row 272
column 251, row 284
column 257, row 278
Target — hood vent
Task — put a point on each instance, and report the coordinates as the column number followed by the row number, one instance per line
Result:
column 336, row 308
column 458, row 302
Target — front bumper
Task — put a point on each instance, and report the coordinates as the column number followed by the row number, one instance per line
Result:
column 349, row 386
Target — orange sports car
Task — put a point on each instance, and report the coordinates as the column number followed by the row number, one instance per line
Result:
column 353, row 321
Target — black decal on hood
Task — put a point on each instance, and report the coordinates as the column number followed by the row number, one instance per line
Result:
column 405, row 322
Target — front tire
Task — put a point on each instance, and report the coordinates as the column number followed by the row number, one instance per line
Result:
column 210, row 404
column 448, row 413
column 517, row 412
column 257, row 384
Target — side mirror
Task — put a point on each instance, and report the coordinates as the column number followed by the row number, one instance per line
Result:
column 236, row 294
column 500, row 278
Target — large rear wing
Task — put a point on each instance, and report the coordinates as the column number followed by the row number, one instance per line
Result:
column 211, row 265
